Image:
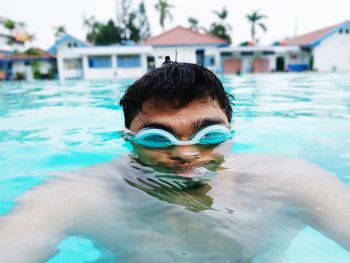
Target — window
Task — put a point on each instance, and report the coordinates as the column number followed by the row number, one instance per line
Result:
column 100, row 62
column 341, row 31
column 129, row 61
column 72, row 63
column 247, row 53
column 293, row 56
column 226, row 54
column 347, row 31
column 209, row 61
column 268, row 52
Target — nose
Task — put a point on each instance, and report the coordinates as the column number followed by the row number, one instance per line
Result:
column 184, row 153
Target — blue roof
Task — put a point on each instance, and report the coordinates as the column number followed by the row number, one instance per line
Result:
column 64, row 39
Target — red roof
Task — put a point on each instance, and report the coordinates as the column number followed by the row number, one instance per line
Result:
column 308, row 39
column 41, row 55
column 183, row 36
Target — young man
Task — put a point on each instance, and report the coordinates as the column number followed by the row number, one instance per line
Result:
column 180, row 196
column 180, row 101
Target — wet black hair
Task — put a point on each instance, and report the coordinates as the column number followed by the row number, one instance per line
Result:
column 178, row 84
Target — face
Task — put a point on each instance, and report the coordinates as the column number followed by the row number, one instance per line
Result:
column 182, row 123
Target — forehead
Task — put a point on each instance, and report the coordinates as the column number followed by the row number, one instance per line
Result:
column 162, row 112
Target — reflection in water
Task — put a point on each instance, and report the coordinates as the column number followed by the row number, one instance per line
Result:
column 168, row 176
column 190, row 192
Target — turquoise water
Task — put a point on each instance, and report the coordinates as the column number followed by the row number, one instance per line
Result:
column 63, row 126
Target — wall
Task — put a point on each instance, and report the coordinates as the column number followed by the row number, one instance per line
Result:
column 45, row 67
column 333, row 53
column 67, row 73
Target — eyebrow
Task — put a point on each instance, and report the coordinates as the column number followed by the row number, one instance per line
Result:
column 202, row 123
column 158, row 126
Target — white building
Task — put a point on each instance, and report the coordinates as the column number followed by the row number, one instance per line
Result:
column 77, row 60
column 329, row 47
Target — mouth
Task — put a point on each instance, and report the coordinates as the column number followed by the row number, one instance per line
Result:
column 185, row 172
column 186, row 169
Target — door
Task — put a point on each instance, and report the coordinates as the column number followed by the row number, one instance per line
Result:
column 232, row 66
column 280, row 64
column 261, row 65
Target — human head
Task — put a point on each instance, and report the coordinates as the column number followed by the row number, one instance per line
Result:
column 181, row 98
column 178, row 84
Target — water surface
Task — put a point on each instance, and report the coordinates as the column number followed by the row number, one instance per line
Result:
column 50, row 127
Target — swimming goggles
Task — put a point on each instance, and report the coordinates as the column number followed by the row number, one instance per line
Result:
column 158, row 138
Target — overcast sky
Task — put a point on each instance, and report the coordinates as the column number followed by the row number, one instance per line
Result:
column 284, row 16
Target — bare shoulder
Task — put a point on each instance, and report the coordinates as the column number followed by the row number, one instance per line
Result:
column 282, row 167
column 297, row 177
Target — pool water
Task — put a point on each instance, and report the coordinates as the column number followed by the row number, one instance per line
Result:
column 53, row 126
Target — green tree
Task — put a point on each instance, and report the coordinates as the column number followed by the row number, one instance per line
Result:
column 255, row 19
column 145, row 31
column 108, row 34
column 163, row 7
column 128, row 20
column 32, row 52
column 93, row 27
column 132, row 28
column 59, row 31
column 221, row 28
column 123, row 17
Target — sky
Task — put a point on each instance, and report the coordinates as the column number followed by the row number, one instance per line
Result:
column 285, row 17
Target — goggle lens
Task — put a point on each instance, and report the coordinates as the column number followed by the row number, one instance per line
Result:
column 154, row 141
column 214, row 137
column 158, row 138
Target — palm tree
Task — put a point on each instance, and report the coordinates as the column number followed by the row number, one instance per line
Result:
column 221, row 28
column 145, row 31
column 60, row 31
column 92, row 26
column 193, row 23
column 163, row 8
column 255, row 18
column 221, row 15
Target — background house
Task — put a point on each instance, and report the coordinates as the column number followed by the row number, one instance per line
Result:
column 184, row 44
column 324, row 50
column 329, row 48
column 34, row 63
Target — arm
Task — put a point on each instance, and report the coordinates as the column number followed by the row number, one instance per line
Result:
column 323, row 198
column 45, row 214
column 326, row 199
